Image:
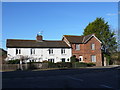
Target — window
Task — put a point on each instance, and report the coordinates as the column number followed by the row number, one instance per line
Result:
column 50, row 51
column 32, row 51
column 93, row 58
column 18, row 51
column 77, row 47
column 51, row 60
column 93, row 46
column 62, row 51
column 63, row 59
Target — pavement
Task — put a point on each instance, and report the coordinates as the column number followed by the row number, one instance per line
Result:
column 102, row 78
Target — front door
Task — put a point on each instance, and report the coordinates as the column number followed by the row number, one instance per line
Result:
column 80, row 58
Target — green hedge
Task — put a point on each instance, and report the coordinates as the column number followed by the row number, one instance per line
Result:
column 69, row 65
column 82, row 64
column 17, row 61
column 60, row 65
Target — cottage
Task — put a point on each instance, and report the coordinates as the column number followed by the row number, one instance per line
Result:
column 39, row 50
column 85, row 48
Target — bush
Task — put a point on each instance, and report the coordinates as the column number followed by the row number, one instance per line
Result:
column 82, row 64
column 79, row 64
column 91, row 64
column 73, row 58
column 64, row 64
column 17, row 61
column 45, row 61
column 59, row 65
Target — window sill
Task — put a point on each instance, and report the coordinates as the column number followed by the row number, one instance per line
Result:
column 63, row 54
column 77, row 49
column 51, row 54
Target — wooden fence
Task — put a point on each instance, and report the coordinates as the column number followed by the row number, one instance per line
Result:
column 7, row 67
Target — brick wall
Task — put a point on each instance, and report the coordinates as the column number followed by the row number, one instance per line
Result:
column 86, row 51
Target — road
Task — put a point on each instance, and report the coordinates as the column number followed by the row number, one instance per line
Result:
column 108, row 78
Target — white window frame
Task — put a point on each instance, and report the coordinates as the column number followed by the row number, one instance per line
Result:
column 93, row 58
column 62, row 51
column 77, row 46
column 50, row 51
column 51, row 60
column 18, row 51
column 93, row 46
column 32, row 51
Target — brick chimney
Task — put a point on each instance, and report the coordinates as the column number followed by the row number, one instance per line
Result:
column 39, row 37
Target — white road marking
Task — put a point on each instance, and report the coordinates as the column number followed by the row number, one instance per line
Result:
column 74, row 78
column 105, row 86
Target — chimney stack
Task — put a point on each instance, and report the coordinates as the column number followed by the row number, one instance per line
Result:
column 39, row 37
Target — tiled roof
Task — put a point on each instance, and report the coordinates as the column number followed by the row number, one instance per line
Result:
column 35, row 44
column 77, row 39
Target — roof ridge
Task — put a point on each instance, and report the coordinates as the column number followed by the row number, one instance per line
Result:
column 21, row 39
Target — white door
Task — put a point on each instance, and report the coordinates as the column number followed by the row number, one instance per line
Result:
column 80, row 58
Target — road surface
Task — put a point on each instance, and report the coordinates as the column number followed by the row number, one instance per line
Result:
column 108, row 78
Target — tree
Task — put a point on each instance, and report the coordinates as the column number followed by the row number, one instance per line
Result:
column 102, row 31
column 73, row 58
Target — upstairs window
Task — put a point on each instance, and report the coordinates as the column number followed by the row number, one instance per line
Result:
column 18, row 51
column 50, row 51
column 93, row 58
column 32, row 51
column 93, row 46
column 62, row 51
column 77, row 46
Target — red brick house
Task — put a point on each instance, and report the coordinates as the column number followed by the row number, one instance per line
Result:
column 85, row 48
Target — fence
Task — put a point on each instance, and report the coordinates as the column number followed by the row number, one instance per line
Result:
column 44, row 65
column 4, row 67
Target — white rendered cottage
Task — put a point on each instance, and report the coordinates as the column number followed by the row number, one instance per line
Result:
column 39, row 50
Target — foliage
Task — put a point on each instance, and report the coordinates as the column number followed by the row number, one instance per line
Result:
column 73, row 58
column 115, row 58
column 91, row 64
column 17, row 61
column 59, row 65
column 45, row 61
column 82, row 64
column 102, row 31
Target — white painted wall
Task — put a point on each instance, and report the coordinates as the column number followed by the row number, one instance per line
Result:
column 41, row 54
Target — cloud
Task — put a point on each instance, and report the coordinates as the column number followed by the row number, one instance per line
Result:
column 112, row 14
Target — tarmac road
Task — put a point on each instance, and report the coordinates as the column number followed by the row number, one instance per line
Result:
column 108, row 78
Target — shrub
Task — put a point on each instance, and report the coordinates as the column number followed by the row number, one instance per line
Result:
column 64, row 64
column 45, row 61
column 59, row 65
column 82, row 64
column 91, row 64
column 79, row 64
column 17, row 61
column 73, row 58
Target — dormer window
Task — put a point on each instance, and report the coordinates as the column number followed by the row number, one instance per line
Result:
column 77, row 46
column 93, row 46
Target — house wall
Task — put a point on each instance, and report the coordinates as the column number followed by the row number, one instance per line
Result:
column 41, row 54
column 86, row 51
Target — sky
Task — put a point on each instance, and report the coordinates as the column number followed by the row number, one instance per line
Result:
column 23, row 20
